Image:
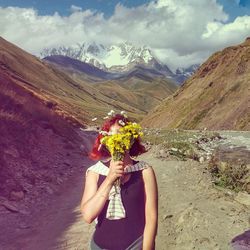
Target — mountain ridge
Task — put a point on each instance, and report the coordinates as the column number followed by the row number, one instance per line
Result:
column 215, row 97
column 116, row 58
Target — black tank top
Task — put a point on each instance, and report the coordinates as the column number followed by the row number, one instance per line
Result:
column 119, row 234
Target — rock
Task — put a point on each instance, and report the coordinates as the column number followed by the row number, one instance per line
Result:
column 49, row 190
column 201, row 159
column 16, row 195
column 23, row 226
column 167, row 216
column 27, row 187
column 229, row 193
column 10, row 206
column 12, row 151
column 247, row 187
column 24, row 211
column 174, row 149
column 243, row 198
column 59, row 180
column 163, row 153
column 2, row 199
column 67, row 162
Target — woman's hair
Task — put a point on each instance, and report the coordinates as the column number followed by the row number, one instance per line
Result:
column 98, row 151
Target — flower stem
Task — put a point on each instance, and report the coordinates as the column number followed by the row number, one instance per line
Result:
column 117, row 157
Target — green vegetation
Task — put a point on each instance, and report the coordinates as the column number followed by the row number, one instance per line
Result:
column 177, row 142
column 230, row 175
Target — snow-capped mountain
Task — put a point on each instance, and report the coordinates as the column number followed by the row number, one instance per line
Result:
column 122, row 57
column 187, row 71
column 181, row 74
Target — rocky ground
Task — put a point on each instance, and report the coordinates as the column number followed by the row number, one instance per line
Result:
column 194, row 213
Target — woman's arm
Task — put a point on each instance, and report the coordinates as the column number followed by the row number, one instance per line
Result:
column 93, row 200
column 151, row 209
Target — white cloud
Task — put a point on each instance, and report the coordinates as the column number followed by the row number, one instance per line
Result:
column 74, row 8
column 180, row 32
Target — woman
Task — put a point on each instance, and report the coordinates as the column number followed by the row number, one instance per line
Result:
column 137, row 229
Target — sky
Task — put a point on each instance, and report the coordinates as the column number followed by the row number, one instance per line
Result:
column 179, row 32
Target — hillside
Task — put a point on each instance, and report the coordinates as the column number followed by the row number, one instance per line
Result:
column 90, row 72
column 35, row 147
column 144, row 93
column 215, row 97
column 77, row 101
column 142, row 88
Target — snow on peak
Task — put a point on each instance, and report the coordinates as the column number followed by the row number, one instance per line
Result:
column 104, row 57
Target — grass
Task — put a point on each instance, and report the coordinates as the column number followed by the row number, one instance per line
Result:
column 230, row 175
column 178, row 142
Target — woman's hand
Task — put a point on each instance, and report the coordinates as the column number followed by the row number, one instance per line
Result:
column 116, row 170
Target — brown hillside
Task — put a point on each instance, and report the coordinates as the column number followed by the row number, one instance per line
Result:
column 35, row 145
column 215, row 97
column 76, row 101
column 142, row 93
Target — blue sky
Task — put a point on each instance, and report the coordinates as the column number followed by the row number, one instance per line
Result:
column 45, row 7
column 48, row 7
column 236, row 8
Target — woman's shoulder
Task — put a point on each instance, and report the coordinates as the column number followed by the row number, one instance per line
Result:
column 99, row 168
column 147, row 168
column 148, row 174
column 143, row 163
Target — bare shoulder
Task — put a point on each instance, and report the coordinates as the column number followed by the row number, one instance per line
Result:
column 148, row 173
column 92, row 176
column 150, row 183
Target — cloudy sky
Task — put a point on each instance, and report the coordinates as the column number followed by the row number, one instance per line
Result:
column 179, row 32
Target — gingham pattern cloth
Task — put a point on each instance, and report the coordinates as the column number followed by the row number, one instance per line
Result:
column 115, row 210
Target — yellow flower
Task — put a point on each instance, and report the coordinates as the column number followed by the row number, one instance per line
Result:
column 117, row 144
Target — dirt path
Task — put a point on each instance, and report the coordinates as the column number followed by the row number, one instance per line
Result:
column 192, row 213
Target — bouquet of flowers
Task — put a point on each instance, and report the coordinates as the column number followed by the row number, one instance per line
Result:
column 119, row 143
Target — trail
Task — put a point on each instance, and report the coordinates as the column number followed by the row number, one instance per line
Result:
column 193, row 214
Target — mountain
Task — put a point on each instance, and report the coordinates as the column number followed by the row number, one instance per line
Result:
column 181, row 74
column 142, row 93
column 76, row 66
column 215, row 97
column 71, row 96
column 93, row 73
column 118, row 58
column 76, row 101
column 143, row 88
